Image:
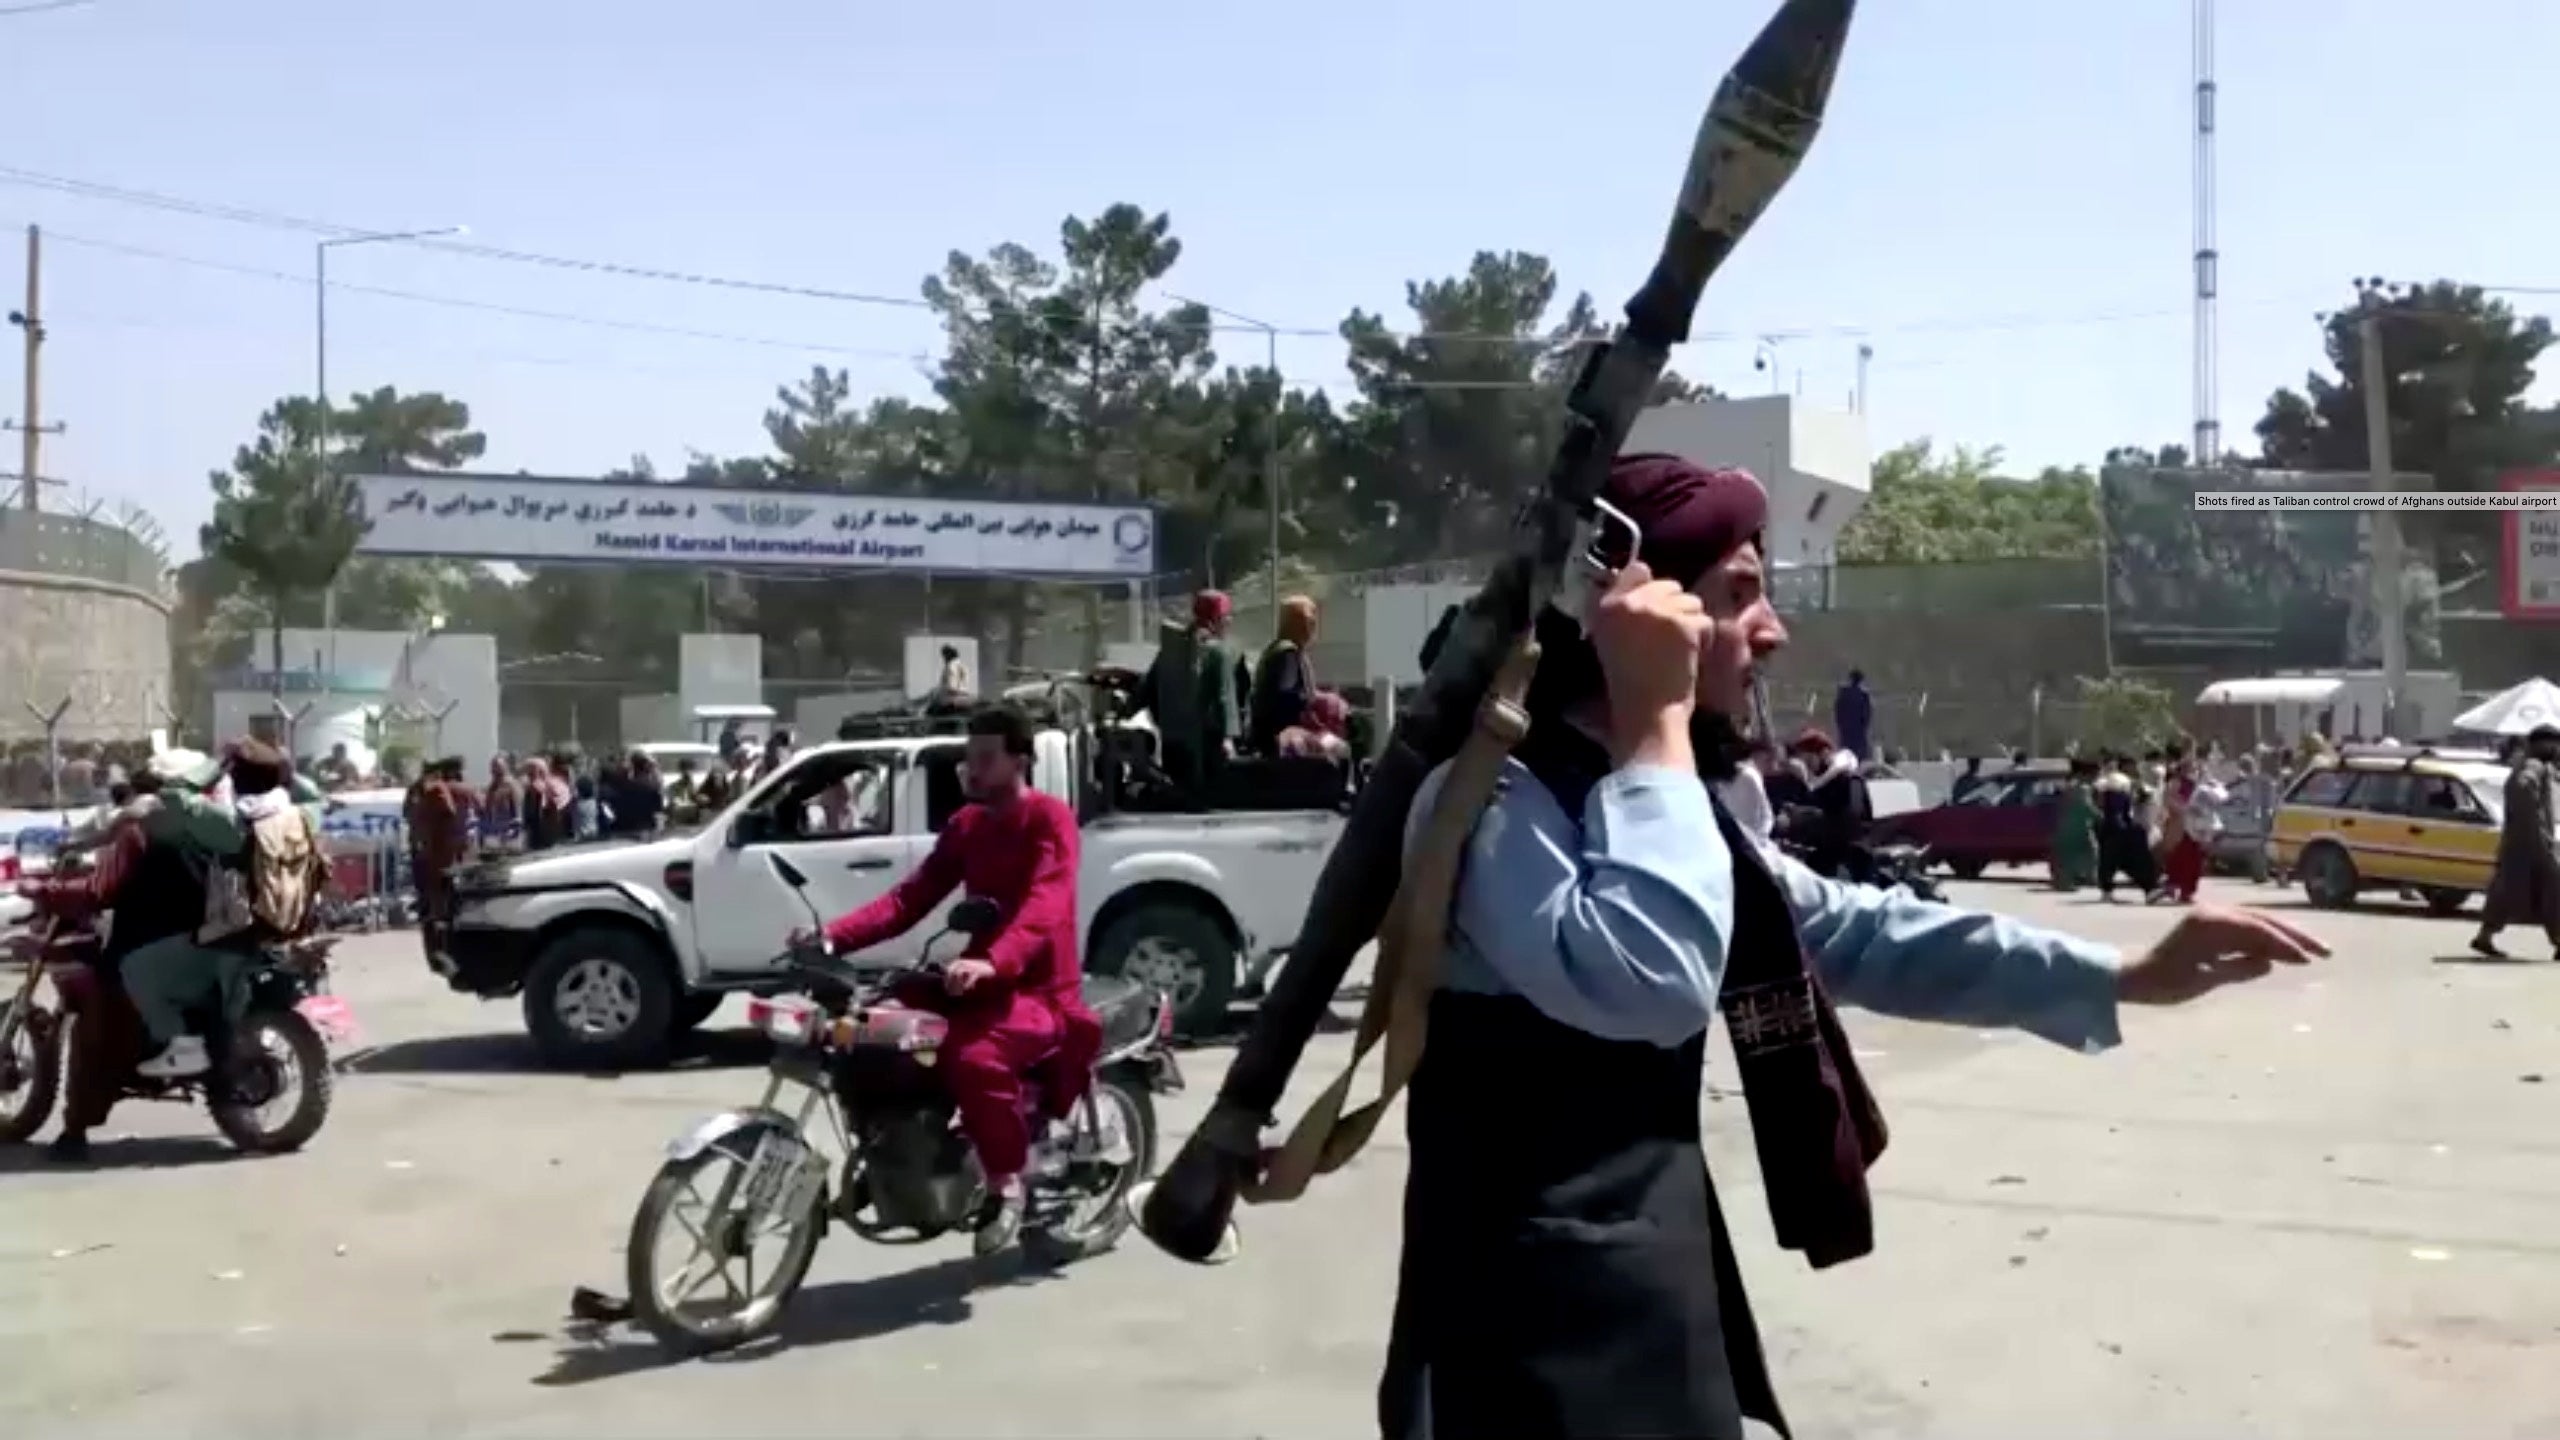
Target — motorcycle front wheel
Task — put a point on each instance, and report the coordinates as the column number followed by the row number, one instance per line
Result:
column 30, row 1069
column 710, row 1228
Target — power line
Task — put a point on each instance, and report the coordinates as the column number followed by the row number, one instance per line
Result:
column 923, row 360
column 266, row 219
column 287, row 277
column 271, row 220
column 41, row 6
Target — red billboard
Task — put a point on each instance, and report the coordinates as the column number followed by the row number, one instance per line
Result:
column 2529, row 581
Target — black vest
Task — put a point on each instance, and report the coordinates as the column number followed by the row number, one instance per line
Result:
column 164, row 896
column 1566, row 1271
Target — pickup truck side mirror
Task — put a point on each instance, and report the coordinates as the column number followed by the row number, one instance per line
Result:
column 751, row 827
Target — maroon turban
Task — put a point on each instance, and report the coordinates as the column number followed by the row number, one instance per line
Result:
column 1210, row 609
column 1692, row 517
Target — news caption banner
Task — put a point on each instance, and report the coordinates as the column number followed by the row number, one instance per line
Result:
column 539, row 520
column 2494, row 501
column 2528, row 501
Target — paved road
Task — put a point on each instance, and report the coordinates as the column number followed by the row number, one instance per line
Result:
column 2327, row 1205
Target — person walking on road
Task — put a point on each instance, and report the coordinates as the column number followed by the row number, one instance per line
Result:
column 2187, row 821
column 2525, row 888
column 2124, row 845
column 1853, row 715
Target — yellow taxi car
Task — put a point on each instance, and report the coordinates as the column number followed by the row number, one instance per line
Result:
column 2422, row 821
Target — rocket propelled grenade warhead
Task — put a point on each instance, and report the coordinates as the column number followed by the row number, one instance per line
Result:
column 1762, row 121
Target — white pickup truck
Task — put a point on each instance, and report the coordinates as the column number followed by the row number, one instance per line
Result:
column 619, row 947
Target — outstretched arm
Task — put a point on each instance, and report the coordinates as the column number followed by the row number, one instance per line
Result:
column 911, row 899
column 1885, row 951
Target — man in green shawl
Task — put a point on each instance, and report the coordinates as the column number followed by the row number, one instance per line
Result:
column 1195, row 691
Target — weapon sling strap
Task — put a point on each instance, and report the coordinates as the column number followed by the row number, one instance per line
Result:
column 1411, row 945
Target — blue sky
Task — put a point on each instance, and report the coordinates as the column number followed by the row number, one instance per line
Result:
column 1999, row 206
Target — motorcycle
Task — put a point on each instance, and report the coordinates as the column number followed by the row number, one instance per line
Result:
column 274, row 1057
column 907, row 1175
column 1894, row 865
column 1906, row 866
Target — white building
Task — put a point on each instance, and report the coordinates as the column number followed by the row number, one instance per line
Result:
column 1815, row 462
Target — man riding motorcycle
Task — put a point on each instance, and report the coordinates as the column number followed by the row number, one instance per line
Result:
column 265, row 871
column 1015, row 998
column 149, row 891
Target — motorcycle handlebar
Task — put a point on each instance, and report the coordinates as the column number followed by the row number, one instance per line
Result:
column 818, row 966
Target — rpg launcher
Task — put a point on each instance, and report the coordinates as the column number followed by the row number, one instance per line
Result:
column 1762, row 121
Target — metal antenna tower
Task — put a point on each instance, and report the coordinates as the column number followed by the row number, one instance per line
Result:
column 2208, row 260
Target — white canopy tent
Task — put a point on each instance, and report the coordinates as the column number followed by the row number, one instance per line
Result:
column 2517, row 711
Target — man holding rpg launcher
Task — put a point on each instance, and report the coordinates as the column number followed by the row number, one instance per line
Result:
column 1566, row 1271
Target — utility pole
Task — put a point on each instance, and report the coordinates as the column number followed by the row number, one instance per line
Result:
column 2390, row 588
column 1270, row 440
column 320, row 398
column 30, row 425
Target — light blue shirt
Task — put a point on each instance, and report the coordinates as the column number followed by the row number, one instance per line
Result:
column 1618, row 924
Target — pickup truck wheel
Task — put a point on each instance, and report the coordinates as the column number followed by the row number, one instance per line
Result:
column 1177, row 949
column 600, row 998
column 1967, row 869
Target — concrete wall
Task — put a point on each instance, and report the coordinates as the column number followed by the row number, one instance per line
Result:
column 2491, row 653
column 102, row 645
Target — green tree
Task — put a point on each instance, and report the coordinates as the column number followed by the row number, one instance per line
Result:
column 1220, row 526
column 221, row 607
column 1457, row 418
column 283, row 522
column 1059, row 383
column 2125, row 714
column 383, row 431
column 1925, row 508
column 1454, row 424
column 2460, row 364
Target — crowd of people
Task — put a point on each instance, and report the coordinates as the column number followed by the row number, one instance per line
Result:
column 2151, row 823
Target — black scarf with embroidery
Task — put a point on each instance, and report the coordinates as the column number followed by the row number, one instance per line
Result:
column 1813, row 1121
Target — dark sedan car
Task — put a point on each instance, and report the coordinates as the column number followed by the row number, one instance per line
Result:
column 2006, row 819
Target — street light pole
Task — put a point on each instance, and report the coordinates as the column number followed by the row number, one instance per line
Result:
column 2385, row 557
column 1271, row 442
column 320, row 396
